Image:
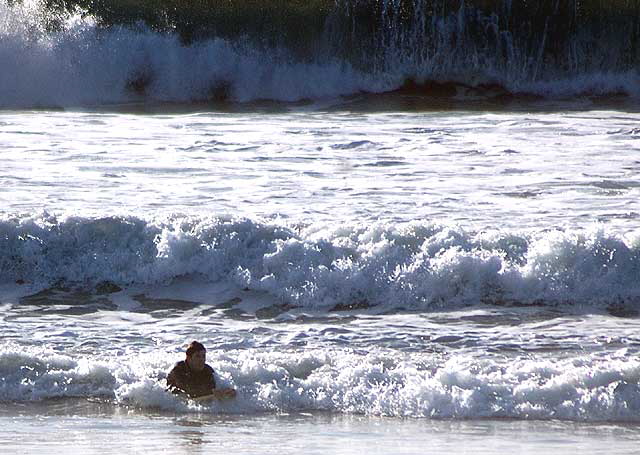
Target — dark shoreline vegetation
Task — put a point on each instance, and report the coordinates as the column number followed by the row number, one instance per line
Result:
column 490, row 41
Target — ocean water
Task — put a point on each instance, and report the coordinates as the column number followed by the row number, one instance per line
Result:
column 446, row 265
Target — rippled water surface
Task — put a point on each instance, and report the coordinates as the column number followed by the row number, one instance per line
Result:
column 356, row 275
column 484, row 170
column 414, row 230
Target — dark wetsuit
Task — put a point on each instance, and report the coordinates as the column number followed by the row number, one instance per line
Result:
column 182, row 379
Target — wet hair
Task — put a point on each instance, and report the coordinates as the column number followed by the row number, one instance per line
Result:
column 194, row 347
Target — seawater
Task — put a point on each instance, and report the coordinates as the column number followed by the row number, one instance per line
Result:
column 371, row 271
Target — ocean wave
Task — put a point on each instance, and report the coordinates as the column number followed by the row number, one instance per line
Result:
column 83, row 64
column 378, row 383
column 409, row 266
column 72, row 58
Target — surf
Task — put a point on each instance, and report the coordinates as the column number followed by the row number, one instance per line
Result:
column 67, row 53
column 403, row 267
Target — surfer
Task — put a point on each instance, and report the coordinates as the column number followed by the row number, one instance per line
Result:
column 194, row 378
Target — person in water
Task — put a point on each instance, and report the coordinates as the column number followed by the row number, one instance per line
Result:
column 194, row 378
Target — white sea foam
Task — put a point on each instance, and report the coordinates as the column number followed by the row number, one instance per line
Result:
column 378, row 383
column 429, row 230
column 406, row 266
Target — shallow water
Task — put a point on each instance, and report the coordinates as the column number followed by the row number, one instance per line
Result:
column 78, row 428
column 405, row 265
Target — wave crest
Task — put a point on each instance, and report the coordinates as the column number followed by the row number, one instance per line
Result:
column 73, row 57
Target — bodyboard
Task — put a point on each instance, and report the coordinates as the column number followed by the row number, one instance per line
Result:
column 206, row 398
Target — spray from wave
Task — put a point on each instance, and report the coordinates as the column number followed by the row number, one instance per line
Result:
column 79, row 53
column 81, row 63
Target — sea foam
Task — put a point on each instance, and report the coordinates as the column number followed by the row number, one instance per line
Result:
column 344, row 381
column 407, row 266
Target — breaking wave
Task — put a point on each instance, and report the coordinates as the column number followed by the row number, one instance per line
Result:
column 412, row 266
column 378, row 383
column 86, row 57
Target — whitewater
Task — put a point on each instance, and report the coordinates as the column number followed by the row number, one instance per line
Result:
column 446, row 265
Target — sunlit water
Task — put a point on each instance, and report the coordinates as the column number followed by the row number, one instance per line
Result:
column 106, row 431
column 358, row 276
column 483, row 170
column 452, row 267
